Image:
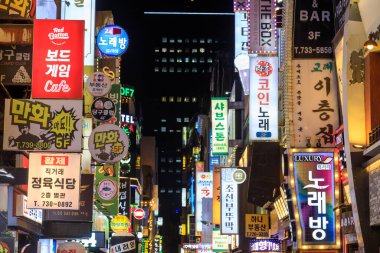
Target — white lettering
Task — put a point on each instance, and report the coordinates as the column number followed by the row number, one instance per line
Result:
column 55, row 87
column 314, row 16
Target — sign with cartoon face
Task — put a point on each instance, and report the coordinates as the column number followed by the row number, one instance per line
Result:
column 108, row 144
column 103, row 109
column 44, row 125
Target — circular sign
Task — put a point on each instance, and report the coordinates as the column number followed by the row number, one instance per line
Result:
column 108, row 143
column 139, row 214
column 107, row 189
column 263, row 68
column 239, row 176
column 4, row 247
column 112, row 40
column 103, row 109
column 98, row 84
column 67, row 247
column 120, row 223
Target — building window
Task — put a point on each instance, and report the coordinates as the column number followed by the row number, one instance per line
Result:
column 156, row 50
column 179, row 59
column 163, row 120
column 164, row 59
column 194, row 50
column 163, row 129
column 194, row 100
column 178, row 191
column 171, row 50
column 170, row 160
column 163, row 159
column 209, row 60
column 171, row 69
column 202, row 60
column 186, row 99
column 187, row 40
column 179, row 70
column 156, row 60
column 186, row 120
column 155, row 130
column 170, row 191
column 179, row 120
column 164, row 69
column 163, row 170
column 171, row 60
column 202, row 40
column 179, row 99
column 178, row 130
column 164, row 40
column 202, row 50
column 187, row 59
column 164, row 49
column 170, row 170
column 156, row 69
column 177, row 171
column 187, row 50
column 187, row 70
column 194, row 70
column 209, row 40
column 179, row 50
column 162, row 190
column 195, row 40
column 179, row 40
column 163, row 99
column 172, row 40
column 194, row 60
column 171, row 130
column 171, row 99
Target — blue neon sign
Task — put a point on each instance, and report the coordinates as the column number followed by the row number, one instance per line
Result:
column 112, row 40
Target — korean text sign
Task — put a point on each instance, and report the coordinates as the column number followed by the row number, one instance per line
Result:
column 219, row 109
column 256, row 225
column 53, row 181
column 112, row 40
column 58, row 59
column 315, row 188
column 204, row 190
column 263, row 98
column 315, row 102
column 48, row 125
column 229, row 202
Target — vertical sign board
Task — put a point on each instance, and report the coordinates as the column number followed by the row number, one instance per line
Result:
column 216, row 196
column 263, row 99
column 157, row 244
column 241, row 5
column 262, row 27
column 53, row 181
column 241, row 33
column 106, row 186
column 58, row 59
column 145, row 245
column 46, row 124
column 82, row 10
column 315, row 96
column 256, row 225
column 229, row 202
column 316, row 194
column 219, row 109
column 124, row 196
column 313, row 33
column 204, row 190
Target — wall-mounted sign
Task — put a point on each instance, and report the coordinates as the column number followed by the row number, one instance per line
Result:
column 262, row 24
column 120, row 223
column 315, row 96
column 107, row 189
column 126, row 119
column 228, row 202
column 313, row 35
column 16, row 64
column 241, row 33
column 216, row 196
column 71, row 247
column 48, row 125
column 239, row 176
column 219, row 241
column 98, row 84
column 241, row 5
column 112, row 40
column 124, row 195
column 25, row 9
column 219, row 109
column 265, row 245
column 108, row 143
column 263, row 99
column 103, row 109
column 157, row 244
column 58, row 59
column 316, row 193
column 31, row 214
column 256, row 225
column 127, row 92
column 53, row 181
column 204, row 190
column 123, row 243
column 7, row 244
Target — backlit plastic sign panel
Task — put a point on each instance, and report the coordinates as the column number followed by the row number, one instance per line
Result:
column 46, row 125
column 98, row 84
column 241, row 33
column 315, row 102
column 58, row 59
column 241, row 5
column 262, row 27
column 108, row 143
column 54, row 181
column 112, row 40
column 204, row 190
column 219, row 241
column 16, row 64
column 219, row 111
column 83, row 10
column 265, row 245
column 24, row 9
column 317, row 193
column 228, row 202
column 263, row 99
column 256, row 225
